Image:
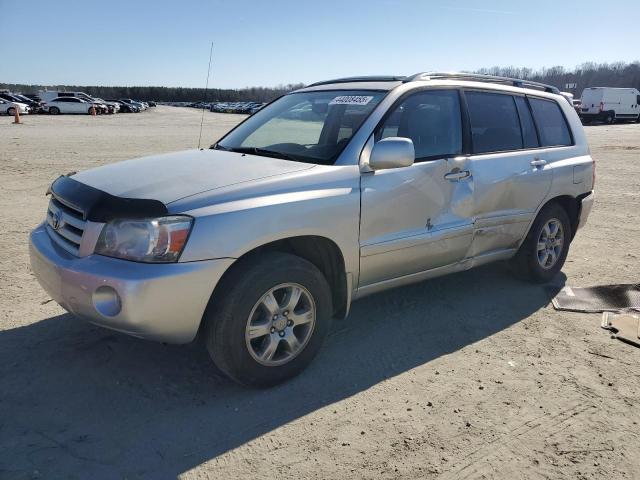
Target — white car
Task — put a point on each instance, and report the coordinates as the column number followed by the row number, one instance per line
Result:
column 68, row 105
column 10, row 107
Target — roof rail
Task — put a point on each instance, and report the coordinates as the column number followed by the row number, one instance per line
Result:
column 373, row 78
column 516, row 82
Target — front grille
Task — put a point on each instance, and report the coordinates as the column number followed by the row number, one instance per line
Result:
column 65, row 225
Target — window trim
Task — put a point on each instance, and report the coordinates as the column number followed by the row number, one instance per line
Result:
column 415, row 91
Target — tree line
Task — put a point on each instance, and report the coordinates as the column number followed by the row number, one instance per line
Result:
column 618, row 74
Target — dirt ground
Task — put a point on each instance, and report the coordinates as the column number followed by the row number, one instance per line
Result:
column 468, row 376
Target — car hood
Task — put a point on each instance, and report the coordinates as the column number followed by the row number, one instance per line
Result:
column 174, row 176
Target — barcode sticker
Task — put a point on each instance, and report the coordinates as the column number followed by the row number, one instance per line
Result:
column 351, row 100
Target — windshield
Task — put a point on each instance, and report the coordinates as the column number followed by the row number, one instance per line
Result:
column 311, row 127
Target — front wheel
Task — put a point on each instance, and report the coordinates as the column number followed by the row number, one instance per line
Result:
column 11, row 111
column 268, row 319
column 544, row 250
column 610, row 119
column 54, row 111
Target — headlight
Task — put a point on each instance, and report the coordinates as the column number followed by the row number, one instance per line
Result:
column 146, row 240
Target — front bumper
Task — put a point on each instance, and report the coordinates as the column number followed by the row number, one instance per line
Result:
column 585, row 209
column 163, row 302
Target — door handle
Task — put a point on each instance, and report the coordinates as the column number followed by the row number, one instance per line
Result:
column 538, row 162
column 455, row 176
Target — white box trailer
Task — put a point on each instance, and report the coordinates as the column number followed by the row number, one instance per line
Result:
column 609, row 104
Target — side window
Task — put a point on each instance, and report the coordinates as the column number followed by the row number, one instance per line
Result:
column 551, row 123
column 431, row 119
column 495, row 125
column 529, row 135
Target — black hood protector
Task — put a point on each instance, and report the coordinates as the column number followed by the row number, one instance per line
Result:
column 99, row 206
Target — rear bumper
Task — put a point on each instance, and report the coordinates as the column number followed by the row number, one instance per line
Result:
column 163, row 302
column 585, row 209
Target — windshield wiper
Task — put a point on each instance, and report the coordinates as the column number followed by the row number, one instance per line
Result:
column 262, row 152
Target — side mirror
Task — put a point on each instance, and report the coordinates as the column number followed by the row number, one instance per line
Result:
column 392, row 152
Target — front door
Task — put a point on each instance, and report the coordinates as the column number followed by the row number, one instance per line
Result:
column 418, row 218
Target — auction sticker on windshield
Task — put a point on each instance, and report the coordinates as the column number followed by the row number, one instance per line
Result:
column 351, row 100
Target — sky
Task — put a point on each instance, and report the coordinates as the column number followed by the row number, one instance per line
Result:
column 271, row 42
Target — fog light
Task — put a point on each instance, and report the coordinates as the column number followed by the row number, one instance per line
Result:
column 107, row 301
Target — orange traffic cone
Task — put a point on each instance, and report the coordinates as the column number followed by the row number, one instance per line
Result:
column 93, row 110
column 16, row 118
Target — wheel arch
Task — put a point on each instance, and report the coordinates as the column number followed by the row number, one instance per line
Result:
column 570, row 204
column 322, row 252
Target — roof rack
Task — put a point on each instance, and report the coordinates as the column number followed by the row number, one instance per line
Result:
column 516, row 82
column 373, row 78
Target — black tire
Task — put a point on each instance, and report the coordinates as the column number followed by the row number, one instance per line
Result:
column 610, row 119
column 228, row 312
column 11, row 111
column 54, row 110
column 526, row 264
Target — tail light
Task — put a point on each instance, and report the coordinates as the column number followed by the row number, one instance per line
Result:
column 601, row 107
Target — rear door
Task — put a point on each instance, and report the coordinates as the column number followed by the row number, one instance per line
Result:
column 511, row 174
column 77, row 106
column 419, row 217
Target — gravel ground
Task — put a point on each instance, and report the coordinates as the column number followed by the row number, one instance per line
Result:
column 468, row 376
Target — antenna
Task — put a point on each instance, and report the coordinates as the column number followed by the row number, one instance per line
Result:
column 205, row 94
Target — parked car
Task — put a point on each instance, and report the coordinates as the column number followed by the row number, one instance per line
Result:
column 69, row 105
column 256, row 107
column 9, row 108
column 609, row 104
column 34, row 106
column 577, row 105
column 113, row 107
column 125, row 107
column 257, row 243
column 50, row 95
column 138, row 105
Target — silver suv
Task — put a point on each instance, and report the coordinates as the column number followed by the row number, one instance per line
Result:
column 332, row 192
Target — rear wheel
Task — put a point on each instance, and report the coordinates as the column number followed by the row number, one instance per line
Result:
column 11, row 111
column 268, row 319
column 544, row 250
column 54, row 110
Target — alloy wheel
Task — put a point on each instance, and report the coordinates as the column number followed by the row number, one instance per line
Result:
column 550, row 243
column 280, row 324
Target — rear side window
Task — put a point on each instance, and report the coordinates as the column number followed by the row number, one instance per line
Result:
column 529, row 135
column 495, row 125
column 431, row 119
column 551, row 123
